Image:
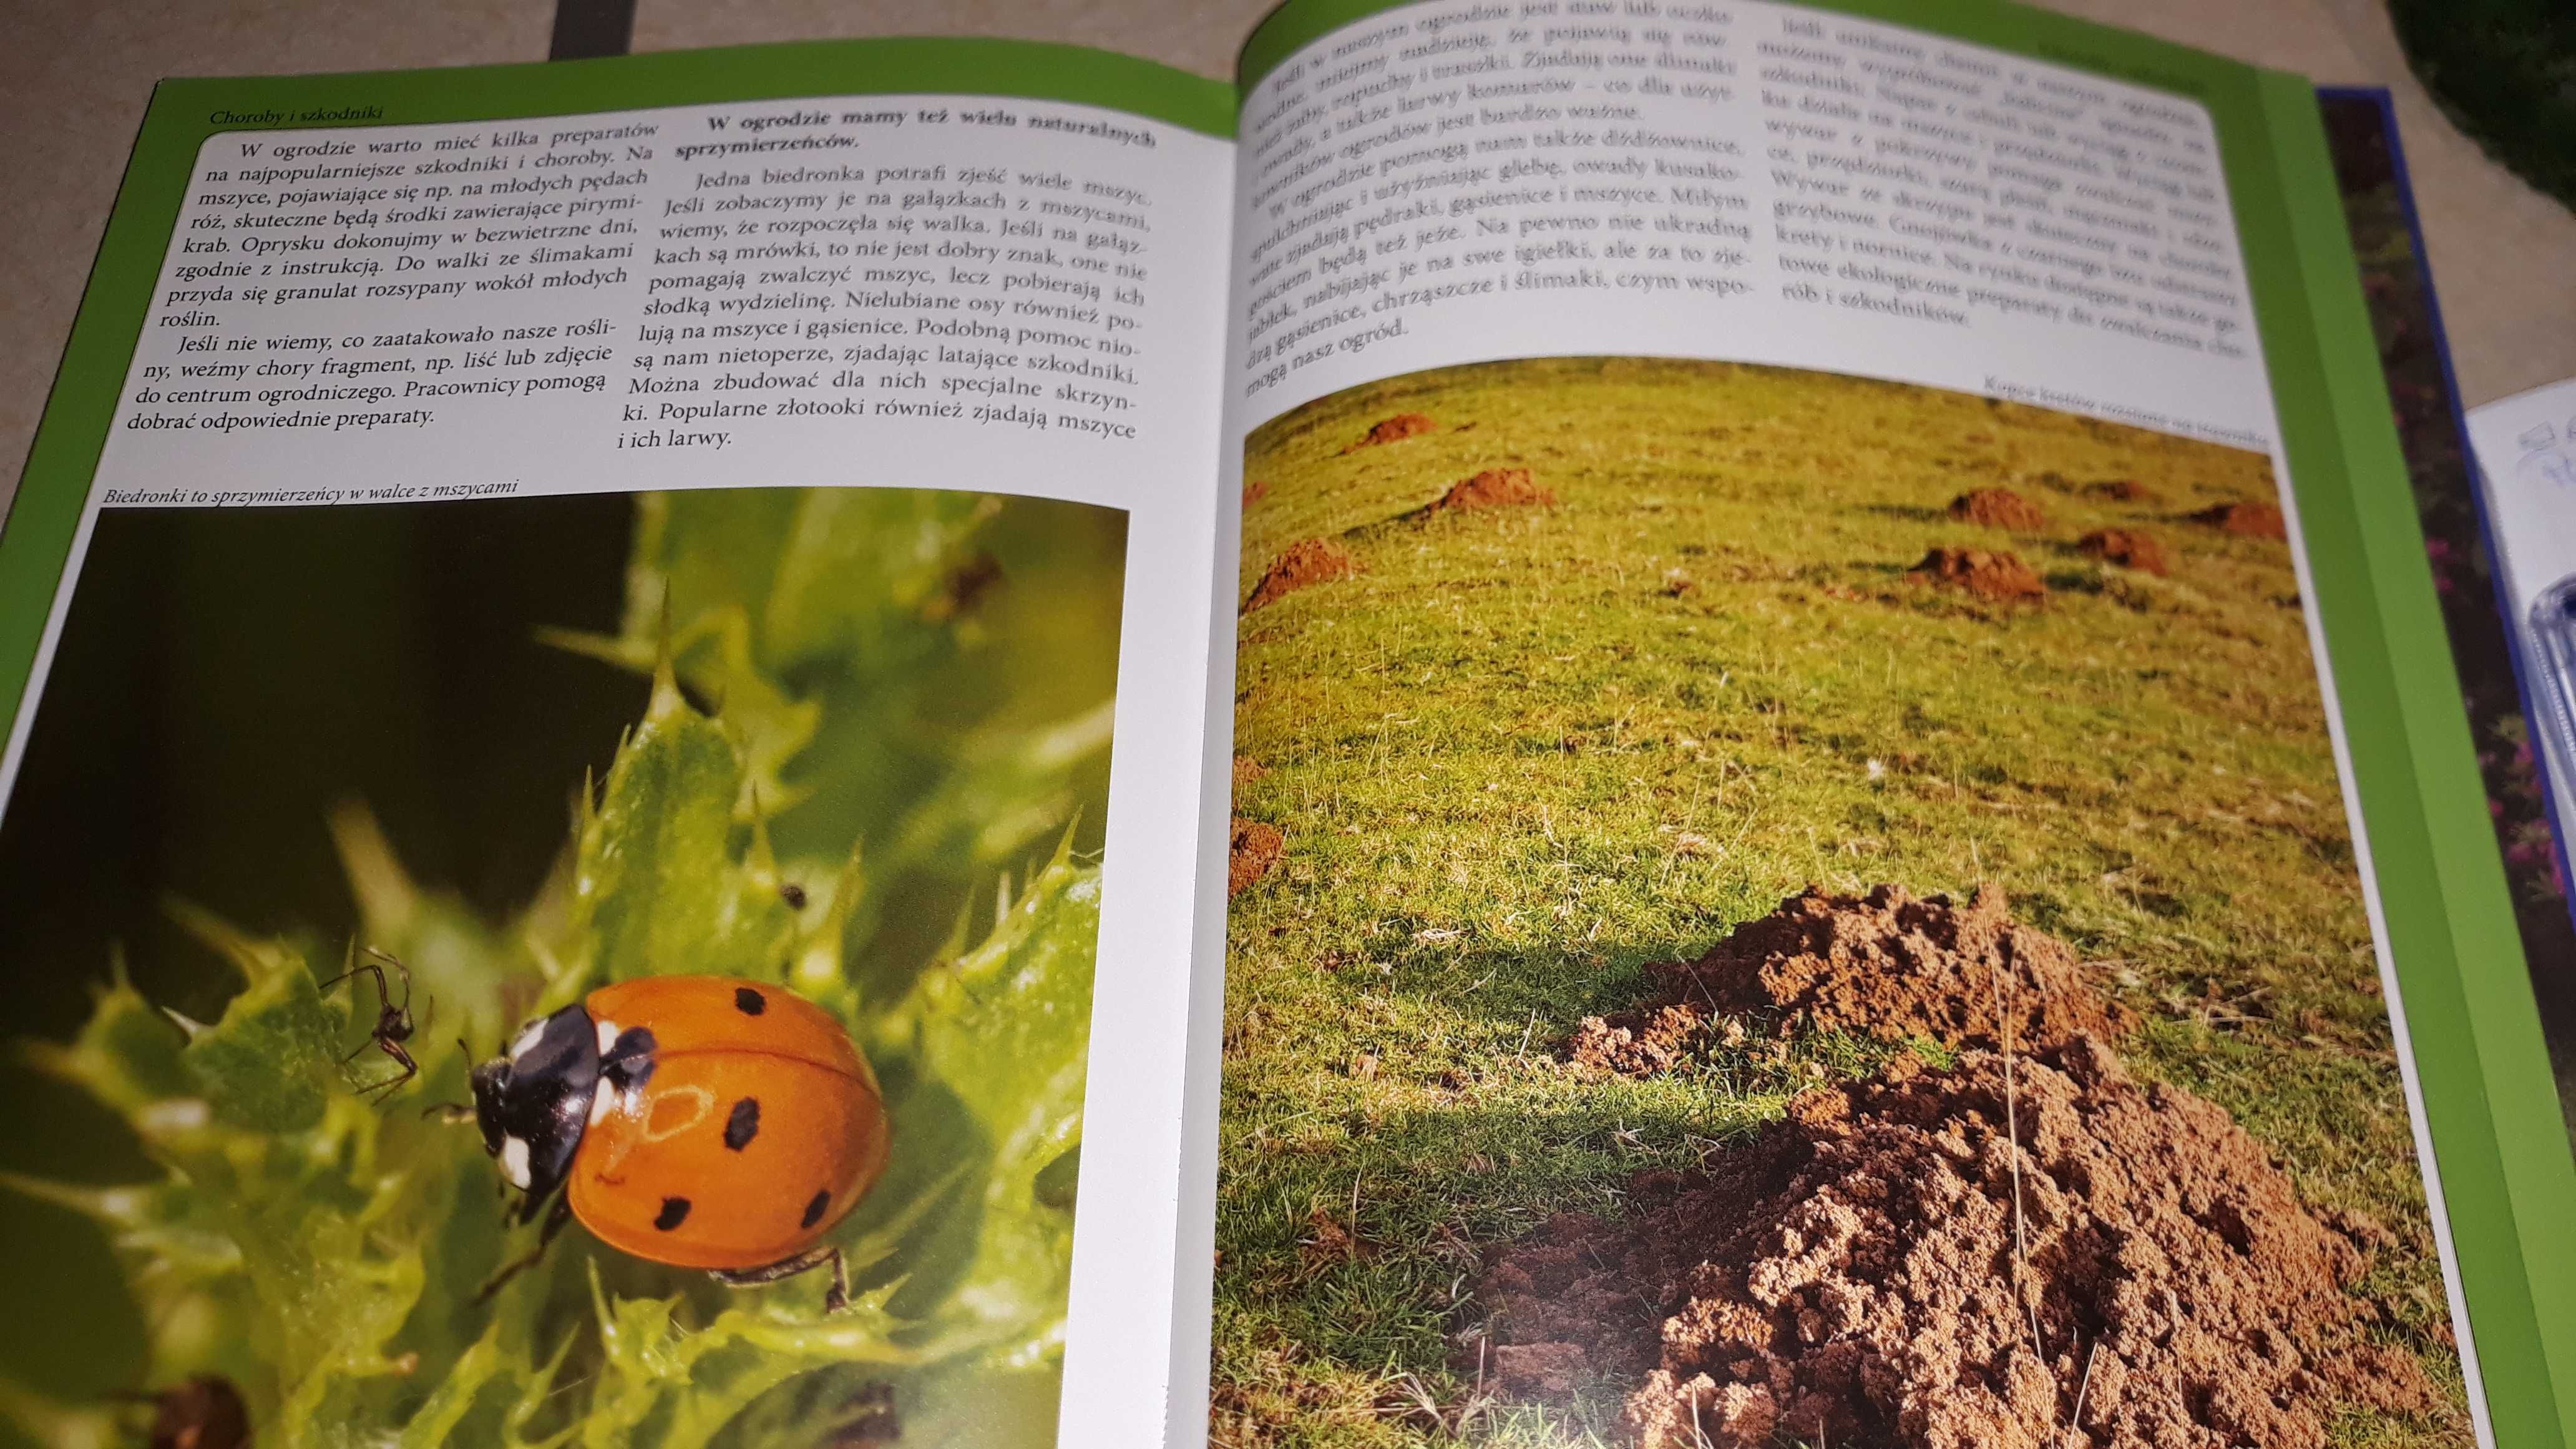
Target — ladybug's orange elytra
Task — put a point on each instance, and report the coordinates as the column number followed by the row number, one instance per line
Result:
column 700, row 1121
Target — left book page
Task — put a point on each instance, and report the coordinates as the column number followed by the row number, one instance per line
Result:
column 564, row 870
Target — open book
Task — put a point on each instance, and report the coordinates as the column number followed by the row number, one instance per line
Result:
column 1661, row 722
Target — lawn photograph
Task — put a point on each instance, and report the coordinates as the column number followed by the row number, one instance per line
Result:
column 1771, row 908
column 596, row 970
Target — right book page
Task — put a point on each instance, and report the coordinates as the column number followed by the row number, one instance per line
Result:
column 1829, row 845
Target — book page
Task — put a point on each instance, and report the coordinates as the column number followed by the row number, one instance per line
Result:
column 1644, row 178
column 638, row 651
column 1794, row 873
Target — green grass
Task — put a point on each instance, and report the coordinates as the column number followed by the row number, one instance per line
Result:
column 1525, row 751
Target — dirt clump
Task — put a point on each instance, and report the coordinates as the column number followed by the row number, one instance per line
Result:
column 1247, row 770
column 2033, row 1253
column 1887, row 965
column 1252, row 848
column 1492, row 488
column 1303, row 564
column 2126, row 547
column 1987, row 574
column 1998, row 508
column 2249, row 520
column 1327, row 1242
column 1394, row 430
column 1641, row 1043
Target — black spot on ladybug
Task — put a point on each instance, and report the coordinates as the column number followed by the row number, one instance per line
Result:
column 749, row 1002
column 814, row 1209
column 675, row 1211
column 743, row 1124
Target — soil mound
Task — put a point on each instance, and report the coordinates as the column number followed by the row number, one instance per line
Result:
column 1394, row 430
column 1252, row 848
column 2253, row 520
column 1305, row 563
column 1894, row 1264
column 1886, row 965
column 2126, row 547
column 1998, row 508
column 1493, row 488
column 2123, row 490
column 1990, row 575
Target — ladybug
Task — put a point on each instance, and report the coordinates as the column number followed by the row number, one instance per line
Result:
column 700, row 1121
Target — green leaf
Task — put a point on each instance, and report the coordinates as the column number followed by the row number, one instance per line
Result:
column 985, row 1064
column 658, row 887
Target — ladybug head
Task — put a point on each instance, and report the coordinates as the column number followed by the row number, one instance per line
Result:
column 533, row 1102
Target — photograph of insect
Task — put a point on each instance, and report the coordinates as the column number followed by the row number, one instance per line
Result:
column 577, row 1030
column 699, row 1121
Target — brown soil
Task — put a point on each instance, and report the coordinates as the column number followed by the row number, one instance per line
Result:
column 1252, row 849
column 1998, row 508
column 2123, row 490
column 2126, row 547
column 1991, row 575
column 2253, row 520
column 1327, row 1242
column 1247, row 770
column 1884, row 965
column 1394, row 430
column 1854, row 1274
column 1305, row 563
column 1255, row 491
column 1493, row 488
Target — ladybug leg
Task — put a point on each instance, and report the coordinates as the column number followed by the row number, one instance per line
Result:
column 835, row 1298
column 556, row 1217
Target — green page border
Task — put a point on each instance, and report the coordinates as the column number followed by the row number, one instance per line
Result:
column 64, row 456
column 2500, row 1143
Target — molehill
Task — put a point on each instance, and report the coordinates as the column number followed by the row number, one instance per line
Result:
column 2031, row 1249
column 1987, row 574
column 2126, row 547
column 1999, row 508
column 1887, row 965
column 2251, row 520
column 1393, row 430
column 1492, row 488
column 1252, row 848
column 1302, row 565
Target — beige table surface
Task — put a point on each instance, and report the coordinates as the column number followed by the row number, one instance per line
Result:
column 74, row 75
